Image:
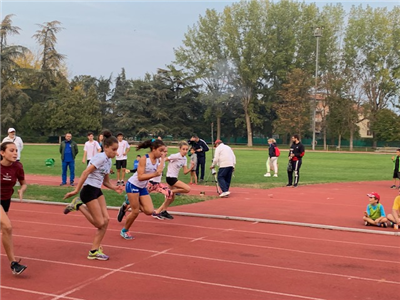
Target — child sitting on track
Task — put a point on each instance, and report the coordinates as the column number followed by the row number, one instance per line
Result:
column 394, row 217
column 375, row 214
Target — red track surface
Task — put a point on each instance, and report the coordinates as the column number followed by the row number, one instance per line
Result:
column 200, row 258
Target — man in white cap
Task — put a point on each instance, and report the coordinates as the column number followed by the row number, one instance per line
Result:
column 16, row 140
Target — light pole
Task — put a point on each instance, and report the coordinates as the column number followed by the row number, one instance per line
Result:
column 317, row 35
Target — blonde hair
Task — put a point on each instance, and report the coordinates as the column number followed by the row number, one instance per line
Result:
column 272, row 140
column 182, row 143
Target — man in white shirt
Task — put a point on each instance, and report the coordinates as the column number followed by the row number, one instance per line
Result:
column 121, row 158
column 16, row 140
column 226, row 160
column 91, row 148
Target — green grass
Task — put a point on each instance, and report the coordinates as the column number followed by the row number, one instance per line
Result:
column 318, row 167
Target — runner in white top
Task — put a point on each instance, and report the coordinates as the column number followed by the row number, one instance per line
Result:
column 178, row 161
column 150, row 165
column 90, row 149
column 89, row 185
column 121, row 159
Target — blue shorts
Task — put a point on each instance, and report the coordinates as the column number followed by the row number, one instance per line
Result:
column 130, row 188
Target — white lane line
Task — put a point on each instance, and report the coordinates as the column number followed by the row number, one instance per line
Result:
column 112, row 271
column 37, row 293
column 78, row 288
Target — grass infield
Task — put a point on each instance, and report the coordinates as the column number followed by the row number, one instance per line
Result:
column 318, row 167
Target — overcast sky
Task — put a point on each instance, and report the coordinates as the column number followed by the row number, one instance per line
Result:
column 101, row 37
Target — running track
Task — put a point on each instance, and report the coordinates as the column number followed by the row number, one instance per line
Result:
column 205, row 258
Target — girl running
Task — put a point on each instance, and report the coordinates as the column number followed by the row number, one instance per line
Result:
column 11, row 171
column 90, row 181
column 154, row 185
column 150, row 165
column 176, row 162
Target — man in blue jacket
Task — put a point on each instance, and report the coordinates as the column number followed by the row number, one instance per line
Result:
column 200, row 146
column 68, row 151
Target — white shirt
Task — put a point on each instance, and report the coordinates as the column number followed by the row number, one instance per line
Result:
column 149, row 168
column 122, row 146
column 18, row 142
column 224, row 156
column 103, row 167
column 176, row 162
column 91, row 149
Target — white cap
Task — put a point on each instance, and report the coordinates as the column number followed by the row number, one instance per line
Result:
column 11, row 130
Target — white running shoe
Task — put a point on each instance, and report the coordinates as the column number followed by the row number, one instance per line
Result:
column 224, row 194
column 275, row 175
column 267, row 175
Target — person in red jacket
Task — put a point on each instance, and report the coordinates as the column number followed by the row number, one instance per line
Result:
column 296, row 153
column 11, row 172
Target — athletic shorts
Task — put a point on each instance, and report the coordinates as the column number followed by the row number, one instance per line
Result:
column 171, row 180
column 6, row 204
column 120, row 164
column 131, row 188
column 396, row 174
column 89, row 193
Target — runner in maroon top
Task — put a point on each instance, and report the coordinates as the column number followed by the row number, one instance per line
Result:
column 11, row 171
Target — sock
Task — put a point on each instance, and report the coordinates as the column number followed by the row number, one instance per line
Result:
column 93, row 251
column 124, row 230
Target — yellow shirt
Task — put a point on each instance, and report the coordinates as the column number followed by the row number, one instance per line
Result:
column 396, row 203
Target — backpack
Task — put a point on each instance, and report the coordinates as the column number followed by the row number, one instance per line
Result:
column 277, row 152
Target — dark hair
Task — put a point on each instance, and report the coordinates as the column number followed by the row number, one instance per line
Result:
column 4, row 147
column 120, row 133
column 398, row 149
column 296, row 136
column 109, row 139
column 90, row 133
column 152, row 144
column 194, row 136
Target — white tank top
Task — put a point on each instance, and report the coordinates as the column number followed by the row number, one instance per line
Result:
column 149, row 168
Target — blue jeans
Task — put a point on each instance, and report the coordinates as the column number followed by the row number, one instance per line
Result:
column 65, row 165
column 224, row 178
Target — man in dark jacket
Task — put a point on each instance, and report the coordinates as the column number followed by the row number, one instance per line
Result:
column 296, row 153
column 68, row 151
column 200, row 146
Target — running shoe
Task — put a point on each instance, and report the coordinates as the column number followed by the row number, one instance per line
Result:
column 126, row 235
column 73, row 206
column 384, row 225
column 99, row 255
column 166, row 215
column 393, row 187
column 157, row 216
column 366, row 223
column 121, row 212
column 17, row 268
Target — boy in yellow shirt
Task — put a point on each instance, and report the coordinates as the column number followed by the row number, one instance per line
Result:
column 394, row 217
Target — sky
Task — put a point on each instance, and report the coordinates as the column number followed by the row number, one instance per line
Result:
column 102, row 37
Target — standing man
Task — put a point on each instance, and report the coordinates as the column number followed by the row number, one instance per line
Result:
column 121, row 159
column 16, row 140
column 200, row 146
column 90, row 149
column 68, row 150
column 226, row 160
column 296, row 153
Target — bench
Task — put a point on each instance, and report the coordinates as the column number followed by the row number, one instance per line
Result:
column 386, row 149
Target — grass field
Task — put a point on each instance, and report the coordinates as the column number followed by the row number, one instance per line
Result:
column 318, row 167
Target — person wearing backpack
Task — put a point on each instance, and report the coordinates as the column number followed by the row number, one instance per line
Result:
column 272, row 161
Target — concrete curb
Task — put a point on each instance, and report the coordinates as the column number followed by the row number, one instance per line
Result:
column 221, row 217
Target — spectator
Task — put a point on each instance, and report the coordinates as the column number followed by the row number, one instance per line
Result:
column 296, row 153
column 193, row 161
column 201, row 148
column 396, row 173
column 90, row 149
column 226, row 160
column 375, row 213
column 272, row 161
column 68, row 150
column 12, row 137
column 121, row 159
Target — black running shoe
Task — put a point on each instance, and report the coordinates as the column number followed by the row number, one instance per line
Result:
column 121, row 212
column 16, row 268
column 166, row 215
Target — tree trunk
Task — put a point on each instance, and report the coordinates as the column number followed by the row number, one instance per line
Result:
column 351, row 138
column 339, row 141
column 324, row 137
column 218, row 127
column 248, row 126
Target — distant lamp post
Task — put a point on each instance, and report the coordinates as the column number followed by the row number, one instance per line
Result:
column 317, row 35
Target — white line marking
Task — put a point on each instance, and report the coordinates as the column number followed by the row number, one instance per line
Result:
column 36, row 292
